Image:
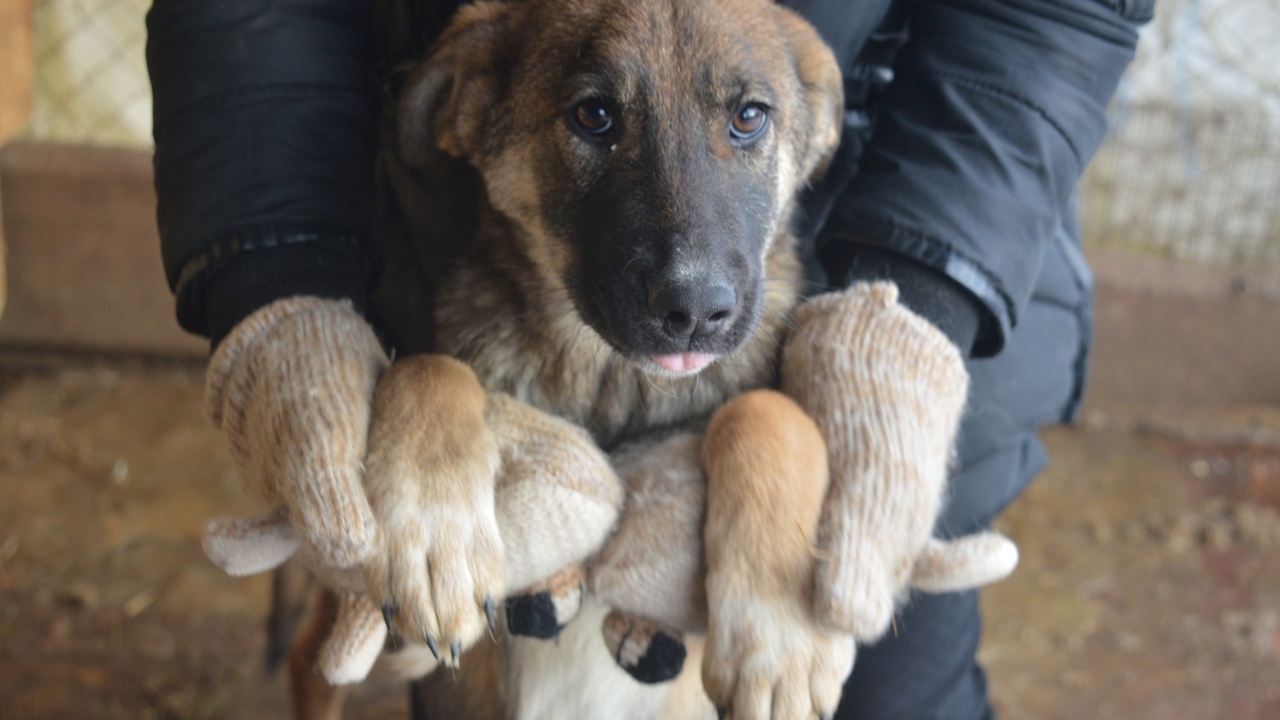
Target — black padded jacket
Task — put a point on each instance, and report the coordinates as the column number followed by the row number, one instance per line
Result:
column 968, row 124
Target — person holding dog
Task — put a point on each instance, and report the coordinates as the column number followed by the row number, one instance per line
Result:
column 967, row 125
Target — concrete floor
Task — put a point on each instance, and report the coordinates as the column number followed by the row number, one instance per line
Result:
column 1149, row 585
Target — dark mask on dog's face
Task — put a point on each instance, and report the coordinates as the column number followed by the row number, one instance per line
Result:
column 647, row 152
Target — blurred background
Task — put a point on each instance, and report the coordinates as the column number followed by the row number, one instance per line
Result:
column 1150, row 579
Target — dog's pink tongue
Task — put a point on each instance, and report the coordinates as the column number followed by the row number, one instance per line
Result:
column 684, row 362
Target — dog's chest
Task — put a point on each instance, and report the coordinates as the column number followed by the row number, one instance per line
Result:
column 573, row 677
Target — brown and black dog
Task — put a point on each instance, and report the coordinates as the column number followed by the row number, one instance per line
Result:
column 639, row 162
column 593, row 200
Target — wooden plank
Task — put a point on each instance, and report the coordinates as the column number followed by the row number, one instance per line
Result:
column 84, row 253
column 17, row 65
column 1174, row 335
column 17, row 77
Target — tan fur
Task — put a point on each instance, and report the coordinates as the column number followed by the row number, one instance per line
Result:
column 430, row 477
column 766, row 657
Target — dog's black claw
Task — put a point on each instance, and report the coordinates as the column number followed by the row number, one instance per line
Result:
column 456, row 649
column 491, row 614
column 532, row 616
column 388, row 611
column 723, row 712
column 661, row 662
column 431, row 645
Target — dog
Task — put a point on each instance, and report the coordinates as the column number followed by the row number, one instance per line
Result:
column 592, row 201
column 628, row 265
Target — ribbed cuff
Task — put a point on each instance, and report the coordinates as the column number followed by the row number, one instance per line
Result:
column 925, row 291
column 215, row 303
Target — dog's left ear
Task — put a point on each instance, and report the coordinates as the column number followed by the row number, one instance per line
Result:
column 822, row 90
column 445, row 102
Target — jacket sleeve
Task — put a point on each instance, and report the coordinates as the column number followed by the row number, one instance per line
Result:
column 995, row 108
column 263, row 123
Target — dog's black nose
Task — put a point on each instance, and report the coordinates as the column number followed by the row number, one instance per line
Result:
column 693, row 309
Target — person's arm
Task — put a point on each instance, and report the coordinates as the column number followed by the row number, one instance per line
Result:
column 994, row 109
column 264, row 153
column 264, row 163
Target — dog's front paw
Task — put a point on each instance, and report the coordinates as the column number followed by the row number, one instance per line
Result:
column 438, row 569
column 768, row 660
column 439, row 576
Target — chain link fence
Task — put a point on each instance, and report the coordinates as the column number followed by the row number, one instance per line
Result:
column 91, row 77
column 1191, row 169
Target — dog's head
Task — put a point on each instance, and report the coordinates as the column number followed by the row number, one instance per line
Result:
column 647, row 152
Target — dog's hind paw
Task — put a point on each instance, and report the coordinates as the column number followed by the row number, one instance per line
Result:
column 648, row 651
column 542, row 611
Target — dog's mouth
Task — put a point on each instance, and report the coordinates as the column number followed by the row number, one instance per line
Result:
column 683, row 364
column 634, row 333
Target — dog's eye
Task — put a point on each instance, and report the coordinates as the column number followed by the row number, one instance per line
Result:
column 749, row 122
column 592, row 116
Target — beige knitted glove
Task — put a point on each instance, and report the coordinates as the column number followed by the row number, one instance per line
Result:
column 887, row 390
column 247, row 546
column 555, row 500
column 291, row 387
column 475, row 494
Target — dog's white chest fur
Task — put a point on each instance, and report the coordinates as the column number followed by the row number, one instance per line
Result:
column 573, row 678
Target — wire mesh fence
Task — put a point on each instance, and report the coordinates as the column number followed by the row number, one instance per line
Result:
column 1191, row 169
column 91, row 79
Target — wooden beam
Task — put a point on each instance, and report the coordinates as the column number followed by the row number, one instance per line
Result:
column 17, row 76
column 17, row 65
column 84, row 253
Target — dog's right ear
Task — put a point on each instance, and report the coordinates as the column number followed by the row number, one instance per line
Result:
column 445, row 101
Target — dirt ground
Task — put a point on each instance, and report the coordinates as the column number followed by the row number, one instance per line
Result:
column 1149, row 585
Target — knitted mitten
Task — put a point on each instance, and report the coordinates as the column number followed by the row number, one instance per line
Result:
column 887, row 390
column 291, row 387
column 555, row 501
column 247, row 546
column 963, row 563
column 357, row 639
column 558, row 495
